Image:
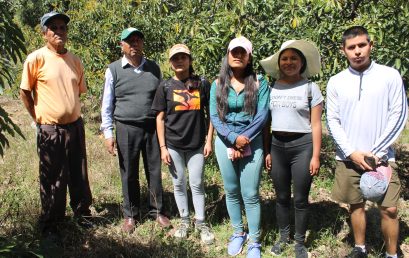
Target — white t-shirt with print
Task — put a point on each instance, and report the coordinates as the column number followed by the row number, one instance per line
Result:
column 289, row 106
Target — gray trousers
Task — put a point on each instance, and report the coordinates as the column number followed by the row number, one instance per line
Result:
column 132, row 140
column 194, row 162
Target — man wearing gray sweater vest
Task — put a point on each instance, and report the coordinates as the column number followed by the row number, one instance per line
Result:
column 130, row 86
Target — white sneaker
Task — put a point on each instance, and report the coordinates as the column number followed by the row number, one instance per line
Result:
column 182, row 230
column 206, row 234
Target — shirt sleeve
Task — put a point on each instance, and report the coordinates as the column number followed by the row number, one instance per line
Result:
column 334, row 122
column 29, row 75
column 316, row 95
column 82, row 83
column 398, row 115
column 107, row 109
column 221, row 128
column 159, row 101
column 260, row 118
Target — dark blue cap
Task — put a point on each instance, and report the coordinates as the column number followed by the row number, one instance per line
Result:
column 51, row 15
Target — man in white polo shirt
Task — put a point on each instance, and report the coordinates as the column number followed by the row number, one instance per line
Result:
column 366, row 111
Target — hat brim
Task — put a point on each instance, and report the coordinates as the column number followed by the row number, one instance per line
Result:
column 178, row 52
column 312, row 56
column 61, row 16
column 137, row 32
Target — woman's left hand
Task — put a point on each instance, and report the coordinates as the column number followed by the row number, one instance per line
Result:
column 267, row 162
column 314, row 166
column 236, row 155
column 207, row 150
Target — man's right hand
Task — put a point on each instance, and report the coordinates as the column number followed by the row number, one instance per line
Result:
column 357, row 157
column 110, row 145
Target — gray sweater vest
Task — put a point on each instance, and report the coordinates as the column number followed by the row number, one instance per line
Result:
column 134, row 92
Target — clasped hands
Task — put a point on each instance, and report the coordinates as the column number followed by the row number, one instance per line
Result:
column 241, row 142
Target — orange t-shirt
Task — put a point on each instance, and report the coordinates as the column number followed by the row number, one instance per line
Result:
column 57, row 82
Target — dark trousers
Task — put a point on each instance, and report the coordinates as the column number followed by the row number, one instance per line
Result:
column 290, row 159
column 131, row 141
column 63, row 161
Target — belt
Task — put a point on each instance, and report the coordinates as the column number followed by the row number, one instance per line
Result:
column 62, row 126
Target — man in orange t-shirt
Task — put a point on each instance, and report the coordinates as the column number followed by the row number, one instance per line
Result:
column 51, row 84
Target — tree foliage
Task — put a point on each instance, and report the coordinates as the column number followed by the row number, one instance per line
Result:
column 207, row 27
column 12, row 49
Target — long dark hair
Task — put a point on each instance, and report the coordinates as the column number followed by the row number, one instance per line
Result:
column 250, row 88
column 193, row 82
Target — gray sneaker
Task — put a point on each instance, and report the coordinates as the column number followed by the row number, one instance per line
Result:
column 182, row 230
column 206, row 234
column 301, row 251
column 278, row 247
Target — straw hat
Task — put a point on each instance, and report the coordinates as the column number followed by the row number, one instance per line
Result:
column 309, row 50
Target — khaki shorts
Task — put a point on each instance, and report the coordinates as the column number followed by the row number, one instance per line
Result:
column 346, row 186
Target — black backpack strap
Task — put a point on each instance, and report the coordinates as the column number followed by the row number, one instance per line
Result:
column 272, row 83
column 309, row 95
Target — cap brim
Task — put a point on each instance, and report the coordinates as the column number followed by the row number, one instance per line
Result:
column 137, row 32
column 184, row 52
column 62, row 16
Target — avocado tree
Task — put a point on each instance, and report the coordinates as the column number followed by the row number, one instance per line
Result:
column 12, row 49
column 207, row 27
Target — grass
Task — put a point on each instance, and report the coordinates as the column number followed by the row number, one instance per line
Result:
column 328, row 235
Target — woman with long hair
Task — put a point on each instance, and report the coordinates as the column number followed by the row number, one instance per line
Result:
column 185, row 136
column 238, row 111
column 294, row 146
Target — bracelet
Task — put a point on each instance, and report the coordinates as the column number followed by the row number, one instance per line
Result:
column 162, row 146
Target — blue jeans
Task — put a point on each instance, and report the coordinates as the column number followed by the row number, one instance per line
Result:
column 241, row 179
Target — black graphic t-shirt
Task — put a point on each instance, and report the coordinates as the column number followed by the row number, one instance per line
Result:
column 185, row 110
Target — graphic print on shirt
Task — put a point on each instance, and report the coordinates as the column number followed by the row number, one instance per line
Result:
column 186, row 100
column 283, row 101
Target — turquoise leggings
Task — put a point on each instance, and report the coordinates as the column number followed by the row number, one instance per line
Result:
column 241, row 179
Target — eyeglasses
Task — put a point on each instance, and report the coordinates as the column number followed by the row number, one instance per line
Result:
column 62, row 28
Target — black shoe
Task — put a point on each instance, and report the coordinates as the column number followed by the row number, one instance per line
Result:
column 357, row 252
column 278, row 247
column 301, row 251
column 85, row 222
